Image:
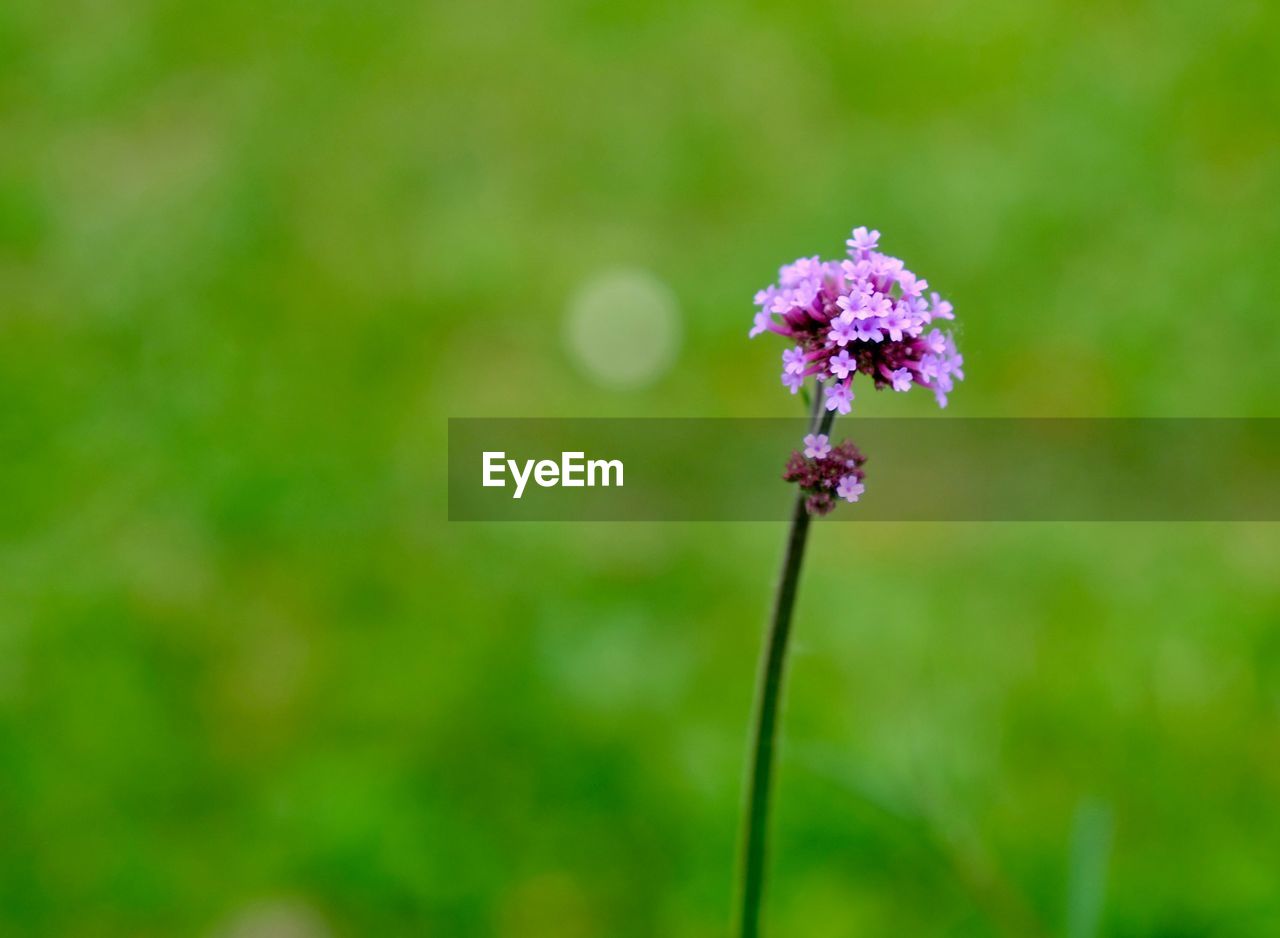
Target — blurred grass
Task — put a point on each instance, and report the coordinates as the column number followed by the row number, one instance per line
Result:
column 252, row 255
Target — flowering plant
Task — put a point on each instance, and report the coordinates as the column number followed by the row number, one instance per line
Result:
column 823, row 469
column 865, row 315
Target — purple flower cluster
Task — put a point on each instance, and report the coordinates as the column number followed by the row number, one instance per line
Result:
column 825, row 472
column 867, row 314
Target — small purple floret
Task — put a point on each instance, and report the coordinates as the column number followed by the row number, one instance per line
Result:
column 844, row 330
column 841, row 364
column 862, row 240
column 839, row 397
column 793, row 361
column 850, row 488
column 817, row 446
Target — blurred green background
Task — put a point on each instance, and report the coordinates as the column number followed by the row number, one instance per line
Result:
column 252, row 684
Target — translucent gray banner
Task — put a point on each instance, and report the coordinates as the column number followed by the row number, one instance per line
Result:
column 926, row 469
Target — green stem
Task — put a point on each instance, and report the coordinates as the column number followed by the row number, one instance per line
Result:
column 768, row 697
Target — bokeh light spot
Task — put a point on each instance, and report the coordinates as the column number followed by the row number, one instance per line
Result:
column 622, row 327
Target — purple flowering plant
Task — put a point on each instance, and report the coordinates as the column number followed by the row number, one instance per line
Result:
column 823, row 471
column 864, row 315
